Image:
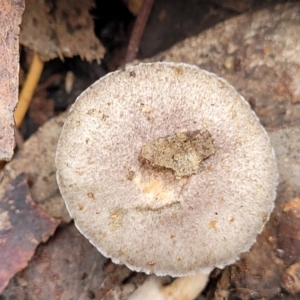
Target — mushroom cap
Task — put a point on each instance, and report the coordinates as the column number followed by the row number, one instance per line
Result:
column 139, row 213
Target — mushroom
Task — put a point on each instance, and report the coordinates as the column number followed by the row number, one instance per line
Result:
column 166, row 169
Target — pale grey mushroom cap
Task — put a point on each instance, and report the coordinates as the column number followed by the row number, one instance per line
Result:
column 146, row 217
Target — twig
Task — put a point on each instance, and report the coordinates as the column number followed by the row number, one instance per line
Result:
column 138, row 30
column 18, row 138
column 28, row 89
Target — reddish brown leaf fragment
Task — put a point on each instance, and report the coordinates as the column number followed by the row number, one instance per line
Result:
column 10, row 19
column 23, row 225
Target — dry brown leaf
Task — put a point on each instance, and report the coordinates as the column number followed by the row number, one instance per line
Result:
column 10, row 19
column 23, row 225
column 60, row 29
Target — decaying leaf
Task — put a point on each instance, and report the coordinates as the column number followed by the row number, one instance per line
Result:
column 60, row 29
column 23, row 225
column 68, row 267
column 10, row 19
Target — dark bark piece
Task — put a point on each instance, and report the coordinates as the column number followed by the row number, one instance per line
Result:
column 10, row 19
column 60, row 29
column 23, row 225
